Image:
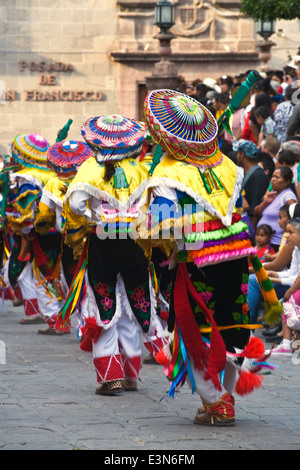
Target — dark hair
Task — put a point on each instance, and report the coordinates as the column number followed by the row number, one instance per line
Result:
column 226, row 79
column 222, row 98
column 285, row 209
column 263, row 99
column 293, row 137
column 264, row 86
column 278, row 73
column 289, row 71
column 201, row 88
column 233, row 156
column 226, row 147
column 289, row 92
column 267, row 162
column 263, row 111
column 287, row 157
column 266, row 229
column 109, row 170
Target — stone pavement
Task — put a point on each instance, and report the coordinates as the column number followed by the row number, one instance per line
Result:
column 48, row 402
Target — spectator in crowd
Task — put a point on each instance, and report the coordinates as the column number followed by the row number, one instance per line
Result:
column 282, row 193
column 255, row 182
column 283, row 113
column 220, row 103
column 251, row 127
column 288, row 158
column 263, row 235
column 267, row 163
column 267, row 125
column 293, row 125
column 270, row 145
column 291, row 298
column 200, row 94
column 226, row 84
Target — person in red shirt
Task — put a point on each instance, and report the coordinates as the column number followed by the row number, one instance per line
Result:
column 263, row 235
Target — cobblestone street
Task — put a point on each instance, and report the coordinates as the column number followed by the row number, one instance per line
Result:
column 48, row 402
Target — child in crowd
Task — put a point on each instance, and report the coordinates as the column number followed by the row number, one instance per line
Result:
column 283, row 217
column 264, row 119
column 263, row 235
column 291, row 298
column 280, row 261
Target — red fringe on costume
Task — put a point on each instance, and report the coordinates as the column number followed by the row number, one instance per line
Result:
column 214, row 359
column 91, row 332
column 247, row 382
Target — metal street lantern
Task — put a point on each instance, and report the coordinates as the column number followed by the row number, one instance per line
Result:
column 164, row 73
column 265, row 28
column 164, row 15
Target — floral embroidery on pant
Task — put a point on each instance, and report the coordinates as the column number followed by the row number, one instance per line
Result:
column 107, row 303
column 106, row 300
column 102, row 289
column 139, row 299
column 242, row 316
column 206, row 294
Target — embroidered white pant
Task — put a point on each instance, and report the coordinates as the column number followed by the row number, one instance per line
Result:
column 118, row 352
column 206, row 389
column 26, row 283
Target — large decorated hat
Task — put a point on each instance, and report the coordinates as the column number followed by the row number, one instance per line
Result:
column 183, row 127
column 65, row 157
column 115, row 137
column 30, row 151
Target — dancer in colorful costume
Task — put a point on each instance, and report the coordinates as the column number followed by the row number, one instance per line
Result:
column 100, row 204
column 25, row 266
column 191, row 202
column 6, row 235
column 64, row 159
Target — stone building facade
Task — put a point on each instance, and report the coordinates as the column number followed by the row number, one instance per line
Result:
column 77, row 58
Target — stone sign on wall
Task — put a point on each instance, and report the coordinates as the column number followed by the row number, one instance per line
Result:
column 47, row 77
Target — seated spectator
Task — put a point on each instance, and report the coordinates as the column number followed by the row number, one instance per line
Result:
column 291, row 304
column 283, row 218
column 282, row 193
column 281, row 280
column 263, row 235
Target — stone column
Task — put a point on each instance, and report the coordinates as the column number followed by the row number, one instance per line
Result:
column 164, row 75
column 265, row 55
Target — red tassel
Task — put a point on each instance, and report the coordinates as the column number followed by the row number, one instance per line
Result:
column 247, row 382
column 164, row 315
column 61, row 325
column 161, row 358
column 255, row 348
column 91, row 332
column 8, row 293
column 215, row 360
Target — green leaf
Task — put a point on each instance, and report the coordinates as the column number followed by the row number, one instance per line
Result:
column 271, row 9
